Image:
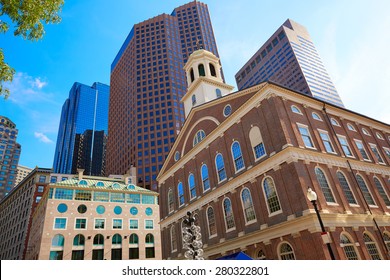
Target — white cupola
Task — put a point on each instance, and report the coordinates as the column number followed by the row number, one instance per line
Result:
column 204, row 80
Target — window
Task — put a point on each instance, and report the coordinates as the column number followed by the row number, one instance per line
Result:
column 134, row 246
column 286, row 252
column 371, row 247
column 296, row 110
column 81, row 224
column 201, row 70
column 334, row 122
column 83, row 183
column 98, row 239
column 180, row 193
column 351, row 127
column 360, row 146
column 133, row 224
column 227, row 110
column 42, row 179
column 316, row 116
column 379, row 136
column 271, row 195
column 212, row 226
column 83, row 195
column 205, row 177
column 349, row 248
column 321, row 178
column 326, row 140
column 58, row 241
column 100, row 209
column 149, row 250
column 237, row 156
column 365, row 191
column 220, row 166
column 148, row 224
column 387, row 152
column 212, row 70
column 60, row 223
column 199, row 137
column 177, row 155
column 62, row 208
column 191, row 186
column 63, row 194
column 192, row 75
column 381, row 191
column 345, row 146
column 247, row 204
column 82, row 209
column 118, row 210
column 79, row 240
column 41, row 189
column 228, row 214
column 148, row 199
column 346, row 189
column 304, row 131
column 365, row 132
column 99, row 223
column 257, row 142
column 170, row 201
column 133, row 211
column 116, row 223
column 218, row 93
column 193, row 98
column 173, row 239
column 375, row 151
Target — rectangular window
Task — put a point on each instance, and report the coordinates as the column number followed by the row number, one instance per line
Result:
column 148, row 199
column 117, row 197
column 387, row 152
column 326, row 140
column 63, row 194
column 81, row 224
column 345, row 146
column 42, row 179
column 117, row 223
column 41, row 189
column 100, row 223
column 375, row 151
column 133, row 198
column 306, row 136
column 148, row 224
column 60, row 223
column 133, row 224
column 53, row 179
column 83, row 195
column 359, row 145
column 101, row 196
column 259, row 150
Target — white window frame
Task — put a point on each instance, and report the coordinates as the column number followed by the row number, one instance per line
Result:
column 299, row 125
column 361, row 142
column 330, row 141
column 145, row 224
column 376, row 147
column 349, row 147
column 294, row 108
column 317, row 118
column 66, row 223
column 86, row 223
column 131, row 219
column 112, row 225
column 94, row 223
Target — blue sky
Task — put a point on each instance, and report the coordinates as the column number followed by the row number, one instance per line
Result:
column 351, row 37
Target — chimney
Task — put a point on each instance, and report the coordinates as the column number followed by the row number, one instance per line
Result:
column 81, row 172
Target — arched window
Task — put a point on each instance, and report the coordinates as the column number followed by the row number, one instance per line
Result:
column 260, row 255
column 193, row 97
column 218, row 93
column 228, row 214
column 116, row 250
column 98, row 247
column 346, row 189
column 237, row 156
column 98, row 239
column 57, row 247
column 149, row 246
column 316, row 116
column 211, row 222
column 365, row 190
column 199, row 137
column 192, row 75
column 334, row 122
column 295, row 109
column 173, row 239
column 286, row 252
column 351, row 127
column 180, row 193
column 83, row 183
column 58, row 240
column 133, row 246
column 78, row 252
column 381, row 191
column 201, row 70
column 171, row 204
column 371, row 247
column 220, row 166
column 348, row 247
column 379, row 136
column 257, row 142
column 99, row 184
column 79, row 240
column 191, row 186
column 205, row 177
column 365, row 131
column 116, row 239
column 247, row 204
column 271, row 195
column 212, row 70
column 321, row 178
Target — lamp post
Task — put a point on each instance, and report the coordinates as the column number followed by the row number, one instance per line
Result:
column 312, row 196
column 192, row 239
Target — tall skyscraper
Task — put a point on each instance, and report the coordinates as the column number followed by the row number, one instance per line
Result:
column 9, row 155
column 85, row 110
column 290, row 58
column 147, row 84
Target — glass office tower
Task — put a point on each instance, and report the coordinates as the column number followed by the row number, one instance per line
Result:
column 147, row 84
column 9, row 155
column 290, row 59
column 84, row 115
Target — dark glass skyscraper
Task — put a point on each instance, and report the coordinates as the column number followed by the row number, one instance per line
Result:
column 290, row 58
column 9, row 155
column 84, row 115
column 147, row 83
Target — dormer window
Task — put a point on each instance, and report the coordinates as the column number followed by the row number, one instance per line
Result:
column 212, row 70
column 201, row 70
column 83, row 183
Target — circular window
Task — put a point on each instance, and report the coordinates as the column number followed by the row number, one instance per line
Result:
column 117, row 210
column 133, row 211
column 62, row 208
column 100, row 209
column 227, row 110
column 82, row 209
column 177, row 155
column 148, row 211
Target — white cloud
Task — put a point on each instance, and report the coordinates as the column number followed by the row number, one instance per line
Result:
column 38, row 83
column 42, row 137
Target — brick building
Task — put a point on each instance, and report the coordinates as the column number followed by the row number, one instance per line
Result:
column 243, row 162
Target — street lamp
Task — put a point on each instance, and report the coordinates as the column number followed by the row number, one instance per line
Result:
column 312, row 196
column 192, row 239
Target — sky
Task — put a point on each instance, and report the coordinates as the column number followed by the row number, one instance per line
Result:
column 351, row 37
